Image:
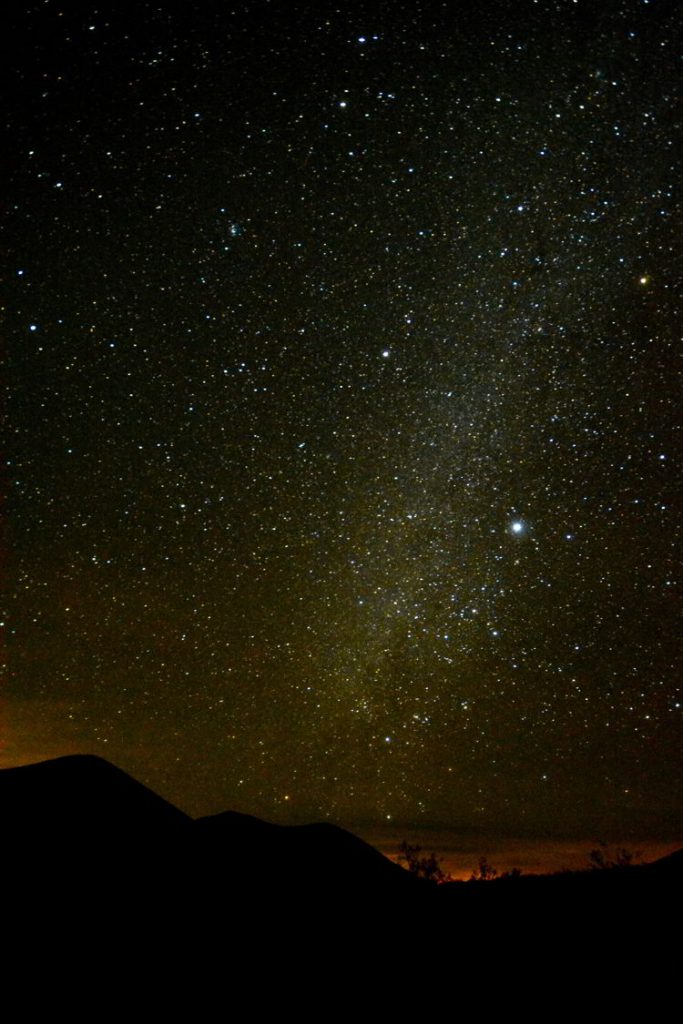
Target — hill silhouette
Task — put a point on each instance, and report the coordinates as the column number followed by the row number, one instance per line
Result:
column 81, row 794
column 78, row 828
column 85, row 843
column 311, row 857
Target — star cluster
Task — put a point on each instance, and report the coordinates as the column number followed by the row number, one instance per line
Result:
column 343, row 432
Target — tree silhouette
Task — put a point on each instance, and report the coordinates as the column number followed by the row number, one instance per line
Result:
column 485, row 872
column 427, row 867
column 600, row 860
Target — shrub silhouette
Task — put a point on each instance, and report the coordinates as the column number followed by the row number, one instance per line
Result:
column 485, row 872
column 427, row 867
column 600, row 860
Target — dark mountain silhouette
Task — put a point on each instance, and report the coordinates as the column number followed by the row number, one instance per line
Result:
column 671, row 865
column 80, row 828
column 310, row 856
column 80, row 794
column 71, row 801
column 84, row 843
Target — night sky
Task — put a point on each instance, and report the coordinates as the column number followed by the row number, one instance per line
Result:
column 342, row 410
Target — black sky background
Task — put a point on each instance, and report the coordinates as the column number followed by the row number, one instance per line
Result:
column 343, row 421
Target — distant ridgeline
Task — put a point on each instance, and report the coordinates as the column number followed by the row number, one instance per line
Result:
column 84, row 843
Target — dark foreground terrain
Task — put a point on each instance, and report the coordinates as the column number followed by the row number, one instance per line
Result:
column 93, row 862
